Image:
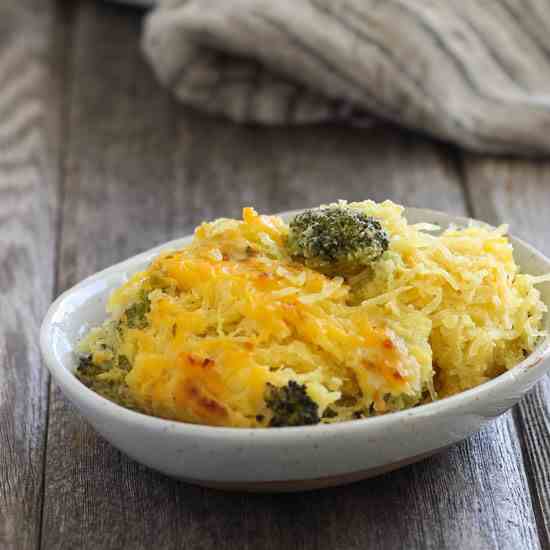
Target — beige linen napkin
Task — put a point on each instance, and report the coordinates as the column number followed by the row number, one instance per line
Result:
column 474, row 72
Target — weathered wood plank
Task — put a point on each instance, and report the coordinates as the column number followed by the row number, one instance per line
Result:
column 119, row 160
column 518, row 193
column 29, row 141
column 141, row 170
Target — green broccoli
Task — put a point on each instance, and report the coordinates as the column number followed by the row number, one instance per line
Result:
column 136, row 313
column 87, row 367
column 336, row 239
column 291, row 405
column 117, row 392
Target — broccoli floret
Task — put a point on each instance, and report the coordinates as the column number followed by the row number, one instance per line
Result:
column 87, row 368
column 330, row 413
column 87, row 372
column 135, row 314
column 124, row 363
column 291, row 405
column 336, row 240
column 117, row 392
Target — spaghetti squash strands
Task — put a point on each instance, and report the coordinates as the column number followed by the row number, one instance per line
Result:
column 202, row 333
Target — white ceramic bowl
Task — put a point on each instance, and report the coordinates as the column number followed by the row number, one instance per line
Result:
column 283, row 458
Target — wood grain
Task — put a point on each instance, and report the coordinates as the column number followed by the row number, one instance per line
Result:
column 518, row 192
column 120, row 158
column 141, row 170
column 29, row 141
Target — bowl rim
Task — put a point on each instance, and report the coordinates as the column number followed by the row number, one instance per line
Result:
column 71, row 385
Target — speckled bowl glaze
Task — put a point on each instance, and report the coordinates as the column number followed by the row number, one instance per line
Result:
column 281, row 459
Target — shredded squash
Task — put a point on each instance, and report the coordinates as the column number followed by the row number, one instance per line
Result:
column 199, row 335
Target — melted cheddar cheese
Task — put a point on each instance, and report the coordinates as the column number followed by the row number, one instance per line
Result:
column 232, row 312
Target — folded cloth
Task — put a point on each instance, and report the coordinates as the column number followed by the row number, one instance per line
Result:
column 473, row 72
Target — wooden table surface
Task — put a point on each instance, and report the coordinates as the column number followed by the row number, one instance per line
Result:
column 97, row 163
